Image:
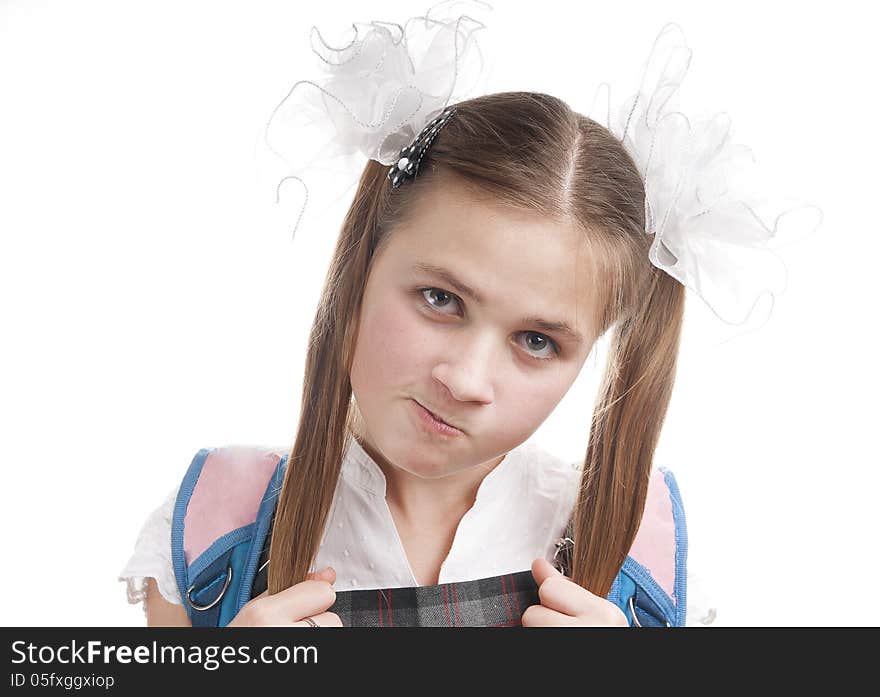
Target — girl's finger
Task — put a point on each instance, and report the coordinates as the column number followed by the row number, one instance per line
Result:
column 328, row 574
column 540, row 616
column 306, row 598
column 325, row 619
column 564, row 595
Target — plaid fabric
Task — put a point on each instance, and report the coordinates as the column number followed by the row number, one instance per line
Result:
column 498, row 601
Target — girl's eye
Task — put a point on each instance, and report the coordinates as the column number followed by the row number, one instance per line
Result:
column 441, row 296
column 544, row 347
column 540, row 342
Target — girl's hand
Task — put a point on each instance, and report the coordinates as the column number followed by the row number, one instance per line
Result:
column 566, row 604
column 310, row 598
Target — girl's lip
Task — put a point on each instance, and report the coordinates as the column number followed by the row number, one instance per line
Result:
column 436, row 424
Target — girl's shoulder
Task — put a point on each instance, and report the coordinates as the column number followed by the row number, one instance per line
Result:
column 222, row 491
column 656, row 561
column 663, row 505
column 661, row 540
column 548, row 470
column 219, row 493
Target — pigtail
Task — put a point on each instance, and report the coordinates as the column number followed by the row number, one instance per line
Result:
column 626, row 425
column 315, row 460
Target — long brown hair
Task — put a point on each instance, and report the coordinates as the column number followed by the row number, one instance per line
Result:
column 532, row 152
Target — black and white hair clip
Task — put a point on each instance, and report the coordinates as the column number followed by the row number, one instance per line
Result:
column 407, row 165
column 564, row 553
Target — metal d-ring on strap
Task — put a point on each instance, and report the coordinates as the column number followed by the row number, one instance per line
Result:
column 216, row 600
column 636, row 622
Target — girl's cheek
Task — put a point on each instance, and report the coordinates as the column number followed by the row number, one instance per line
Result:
column 396, row 336
column 527, row 405
column 528, row 397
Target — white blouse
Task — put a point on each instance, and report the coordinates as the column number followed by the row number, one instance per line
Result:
column 502, row 532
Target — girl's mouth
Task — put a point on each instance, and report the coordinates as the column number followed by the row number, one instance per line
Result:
column 434, row 423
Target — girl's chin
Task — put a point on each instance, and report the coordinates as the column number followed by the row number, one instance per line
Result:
column 413, row 461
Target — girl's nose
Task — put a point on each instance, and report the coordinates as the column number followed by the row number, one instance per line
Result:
column 468, row 374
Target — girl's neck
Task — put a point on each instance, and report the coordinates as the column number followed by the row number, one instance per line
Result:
column 432, row 501
column 417, row 499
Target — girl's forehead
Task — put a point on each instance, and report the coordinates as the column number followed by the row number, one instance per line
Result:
column 496, row 248
column 473, row 233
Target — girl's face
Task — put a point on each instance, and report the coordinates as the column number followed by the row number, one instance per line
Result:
column 464, row 314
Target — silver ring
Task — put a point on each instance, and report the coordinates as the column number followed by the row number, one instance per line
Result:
column 311, row 622
column 635, row 619
column 217, row 599
column 632, row 609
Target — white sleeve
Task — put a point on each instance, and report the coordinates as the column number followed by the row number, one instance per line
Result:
column 152, row 557
column 700, row 610
column 700, row 605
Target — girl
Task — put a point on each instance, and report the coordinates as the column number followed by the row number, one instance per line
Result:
column 471, row 279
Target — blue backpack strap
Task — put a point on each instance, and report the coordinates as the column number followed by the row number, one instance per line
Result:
column 262, row 526
column 216, row 517
column 651, row 587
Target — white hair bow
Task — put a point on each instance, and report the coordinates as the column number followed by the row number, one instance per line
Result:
column 704, row 206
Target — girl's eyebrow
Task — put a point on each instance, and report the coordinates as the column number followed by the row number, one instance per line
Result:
column 447, row 276
column 557, row 326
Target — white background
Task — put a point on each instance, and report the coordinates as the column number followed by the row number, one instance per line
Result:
column 154, row 304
